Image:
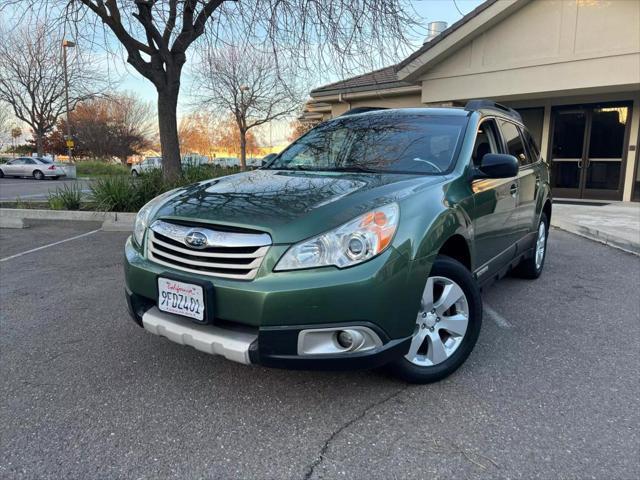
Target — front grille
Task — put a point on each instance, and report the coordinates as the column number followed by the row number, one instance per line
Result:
column 226, row 254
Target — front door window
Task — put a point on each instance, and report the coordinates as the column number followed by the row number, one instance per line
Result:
column 608, row 128
column 588, row 150
column 568, row 140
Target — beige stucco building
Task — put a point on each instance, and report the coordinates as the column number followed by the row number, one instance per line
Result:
column 570, row 67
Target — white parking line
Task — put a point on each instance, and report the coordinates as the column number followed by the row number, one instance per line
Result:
column 49, row 245
column 496, row 317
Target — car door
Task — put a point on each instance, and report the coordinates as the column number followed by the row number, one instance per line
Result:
column 29, row 167
column 527, row 178
column 495, row 201
column 530, row 181
column 10, row 167
column 18, row 167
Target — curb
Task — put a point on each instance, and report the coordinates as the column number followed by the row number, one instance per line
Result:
column 598, row 236
column 111, row 221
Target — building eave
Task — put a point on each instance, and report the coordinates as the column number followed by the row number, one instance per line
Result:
column 381, row 91
column 457, row 35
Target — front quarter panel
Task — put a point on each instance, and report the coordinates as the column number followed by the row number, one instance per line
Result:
column 430, row 218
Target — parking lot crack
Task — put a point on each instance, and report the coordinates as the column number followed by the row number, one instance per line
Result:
column 327, row 443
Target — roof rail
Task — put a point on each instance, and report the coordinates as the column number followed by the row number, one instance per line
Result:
column 473, row 105
column 353, row 111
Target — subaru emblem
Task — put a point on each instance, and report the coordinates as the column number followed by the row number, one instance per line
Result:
column 196, row 239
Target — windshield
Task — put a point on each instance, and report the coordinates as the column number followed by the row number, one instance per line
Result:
column 394, row 143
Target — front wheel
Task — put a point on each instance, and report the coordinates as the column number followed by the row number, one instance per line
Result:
column 532, row 267
column 447, row 325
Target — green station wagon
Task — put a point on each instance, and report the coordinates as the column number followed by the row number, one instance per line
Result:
column 365, row 243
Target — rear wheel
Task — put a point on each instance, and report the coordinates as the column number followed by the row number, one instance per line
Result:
column 447, row 325
column 38, row 175
column 532, row 267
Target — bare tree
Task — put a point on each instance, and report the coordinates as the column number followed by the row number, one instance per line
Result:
column 117, row 125
column 247, row 84
column 32, row 78
column 156, row 35
column 5, row 128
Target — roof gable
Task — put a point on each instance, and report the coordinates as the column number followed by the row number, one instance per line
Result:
column 456, row 36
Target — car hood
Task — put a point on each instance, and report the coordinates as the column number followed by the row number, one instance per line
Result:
column 289, row 205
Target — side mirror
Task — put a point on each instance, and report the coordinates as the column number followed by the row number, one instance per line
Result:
column 498, row 165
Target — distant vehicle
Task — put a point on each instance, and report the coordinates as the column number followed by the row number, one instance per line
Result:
column 146, row 165
column 228, row 161
column 254, row 162
column 267, row 158
column 194, row 160
column 36, row 167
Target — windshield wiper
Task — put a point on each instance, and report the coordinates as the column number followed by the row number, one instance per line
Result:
column 289, row 167
column 354, row 168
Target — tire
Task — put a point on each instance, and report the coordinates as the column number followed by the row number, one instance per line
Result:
column 134, row 173
column 38, row 175
column 430, row 364
column 531, row 268
column 1, row 174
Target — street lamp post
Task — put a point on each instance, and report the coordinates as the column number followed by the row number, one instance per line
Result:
column 67, row 44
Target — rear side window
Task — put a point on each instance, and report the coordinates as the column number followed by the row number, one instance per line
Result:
column 532, row 146
column 513, row 141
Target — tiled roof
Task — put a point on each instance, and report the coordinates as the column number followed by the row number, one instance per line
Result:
column 385, row 77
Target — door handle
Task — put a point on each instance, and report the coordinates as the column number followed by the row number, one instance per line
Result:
column 580, row 164
column 514, row 190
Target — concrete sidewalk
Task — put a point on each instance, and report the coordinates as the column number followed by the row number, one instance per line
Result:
column 616, row 224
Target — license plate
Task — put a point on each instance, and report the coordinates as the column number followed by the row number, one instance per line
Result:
column 181, row 298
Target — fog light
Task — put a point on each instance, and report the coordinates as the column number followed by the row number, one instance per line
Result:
column 328, row 341
column 345, row 339
column 350, row 340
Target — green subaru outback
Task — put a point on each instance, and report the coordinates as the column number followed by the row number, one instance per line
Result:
column 365, row 243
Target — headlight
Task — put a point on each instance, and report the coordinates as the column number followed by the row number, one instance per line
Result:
column 144, row 215
column 354, row 242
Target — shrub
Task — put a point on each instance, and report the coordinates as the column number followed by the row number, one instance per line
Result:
column 114, row 194
column 125, row 194
column 66, row 198
column 192, row 174
column 95, row 168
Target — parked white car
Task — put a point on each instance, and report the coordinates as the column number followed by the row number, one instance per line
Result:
column 228, row 161
column 146, row 165
column 36, row 167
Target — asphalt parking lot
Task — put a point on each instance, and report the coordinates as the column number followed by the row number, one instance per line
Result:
column 551, row 390
column 28, row 189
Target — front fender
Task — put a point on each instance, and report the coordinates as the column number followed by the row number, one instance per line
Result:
column 450, row 222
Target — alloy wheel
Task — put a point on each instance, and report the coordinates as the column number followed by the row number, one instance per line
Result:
column 441, row 323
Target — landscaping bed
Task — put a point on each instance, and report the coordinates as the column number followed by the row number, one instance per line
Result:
column 121, row 193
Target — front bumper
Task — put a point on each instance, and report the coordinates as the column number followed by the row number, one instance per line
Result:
column 268, row 348
column 267, row 314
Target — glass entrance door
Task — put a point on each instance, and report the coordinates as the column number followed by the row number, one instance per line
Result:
column 588, row 149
